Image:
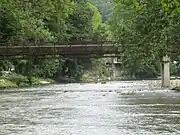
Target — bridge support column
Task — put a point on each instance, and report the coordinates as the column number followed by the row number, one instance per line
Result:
column 165, row 72
column 113, row 67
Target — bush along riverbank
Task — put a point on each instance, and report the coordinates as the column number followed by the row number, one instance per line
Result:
column 91, row 78
column 65, row 71
column 176, row 88
column 175, row 85
column 16, row 81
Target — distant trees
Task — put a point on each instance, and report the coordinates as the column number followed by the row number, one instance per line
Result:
column 105, row 7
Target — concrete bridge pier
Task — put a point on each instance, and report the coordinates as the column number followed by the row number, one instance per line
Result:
column 165, row 72
column 115, row 66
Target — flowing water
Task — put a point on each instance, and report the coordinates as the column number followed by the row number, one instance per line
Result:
column 114, row 108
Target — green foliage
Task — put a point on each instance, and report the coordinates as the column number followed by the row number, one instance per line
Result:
column 99, row 68
column 16, row 78
column 176, row 88
column 146, row 31
column 171, row 6
column 46, row 68
column 96, row 18
column 27, row 19
column 80, row 22
column 4, row 83
column 5, row 65
column 38, row 81
column 175, row 66
column 105, row 7
column 72, row 68
column 48, row 20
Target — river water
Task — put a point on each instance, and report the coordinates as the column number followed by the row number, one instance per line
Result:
column 114, row 108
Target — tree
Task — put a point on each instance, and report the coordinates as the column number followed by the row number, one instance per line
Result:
column 48, row 20
column 80, row 22
column 146, row 30
column 105, row 7
column 31, row 19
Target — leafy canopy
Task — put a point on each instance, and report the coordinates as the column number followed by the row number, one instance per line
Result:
column 146, row 30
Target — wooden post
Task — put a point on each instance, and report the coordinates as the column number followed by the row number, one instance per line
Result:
column 165, row 72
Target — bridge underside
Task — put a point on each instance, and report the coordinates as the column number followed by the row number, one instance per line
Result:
column 56, row 56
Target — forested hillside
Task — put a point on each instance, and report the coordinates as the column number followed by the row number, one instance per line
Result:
column 49, row 20
column 105, row 7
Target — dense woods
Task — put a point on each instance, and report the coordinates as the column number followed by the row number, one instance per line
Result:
column 49, row 20
column 146, row 30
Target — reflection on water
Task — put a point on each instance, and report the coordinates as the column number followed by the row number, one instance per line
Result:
column 115, row 108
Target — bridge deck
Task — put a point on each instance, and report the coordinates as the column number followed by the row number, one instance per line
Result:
column 73, row 50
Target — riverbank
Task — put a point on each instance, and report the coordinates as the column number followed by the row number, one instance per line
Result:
column 156, row 84
column 17, row 81
column 176, row 88
column 90, row 77
column 13, row 80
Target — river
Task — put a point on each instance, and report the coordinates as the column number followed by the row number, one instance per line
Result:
column 114, row 108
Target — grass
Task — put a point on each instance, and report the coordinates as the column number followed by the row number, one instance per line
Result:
column 4, row 83
column 16, row 80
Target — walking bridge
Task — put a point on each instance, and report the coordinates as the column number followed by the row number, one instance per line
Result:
column 75, row 49
column 85, row 49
